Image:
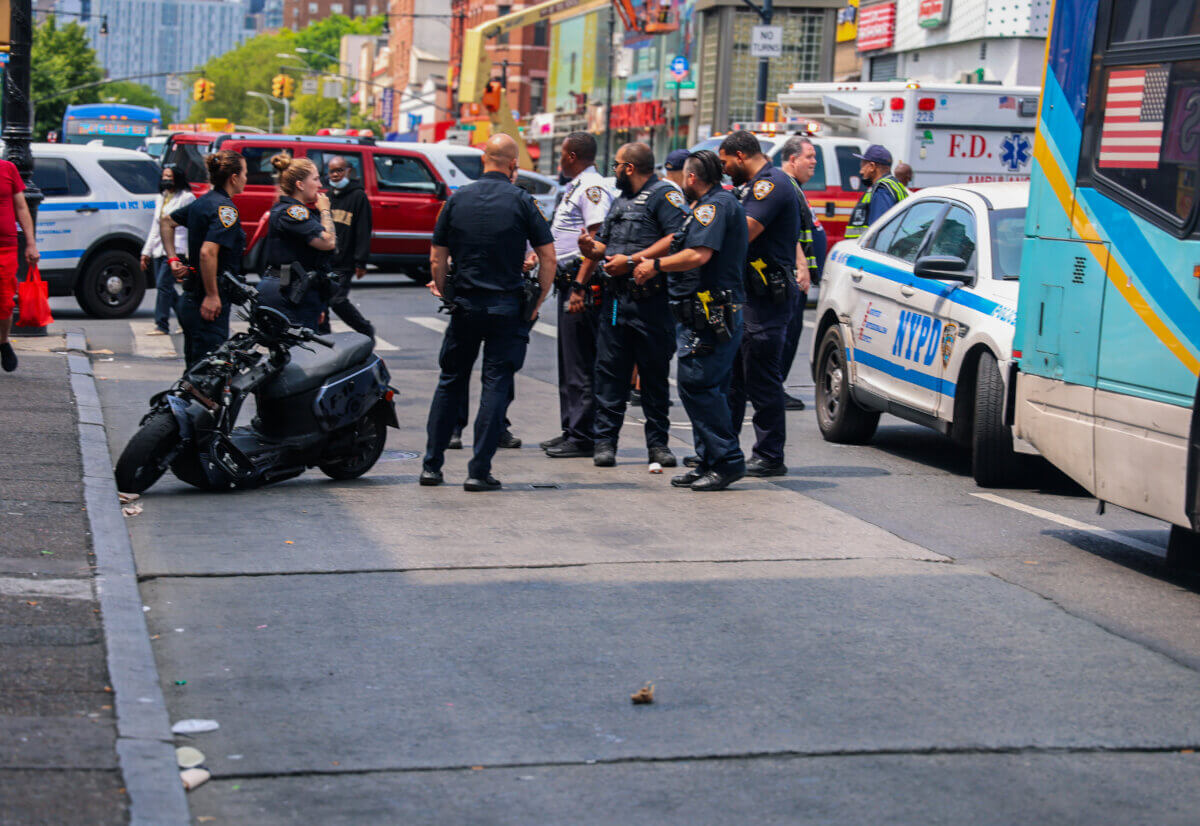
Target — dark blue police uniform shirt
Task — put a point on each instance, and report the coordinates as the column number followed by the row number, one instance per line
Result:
column 213, row 217
column 289, row 230
column 719, row 223
column 882, row 200
column 485, row 224
column 770, row 199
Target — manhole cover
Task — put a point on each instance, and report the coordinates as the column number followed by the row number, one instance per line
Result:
column 397, row 455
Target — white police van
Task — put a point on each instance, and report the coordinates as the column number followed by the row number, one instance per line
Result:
column 97, row 208
column 916, row 319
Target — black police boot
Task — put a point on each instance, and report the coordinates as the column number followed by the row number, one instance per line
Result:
column 663, row 456
column 792, row 403
column 455, row 441
column 431, row 478
column 760, row 467
column 715, row 480
column 509, row 441
column 684, row 480
column 555, row 442
column 569, row 450
column 691, row 461
column 490, row 483
column 605, row 454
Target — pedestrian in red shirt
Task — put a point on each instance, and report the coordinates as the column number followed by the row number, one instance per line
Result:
column 13, row 210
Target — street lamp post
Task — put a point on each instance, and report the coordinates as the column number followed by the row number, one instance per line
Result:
column 18, row 118
column 765, row 12
column 339, row 62
column 270, row 109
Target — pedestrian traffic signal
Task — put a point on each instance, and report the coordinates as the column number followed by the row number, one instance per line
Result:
column 277, row 86
column 209, row 89
column 198, row 89
column 289, row 86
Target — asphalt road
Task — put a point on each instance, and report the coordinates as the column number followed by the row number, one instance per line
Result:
column 870, row 639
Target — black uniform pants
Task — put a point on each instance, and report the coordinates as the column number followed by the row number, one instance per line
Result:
column 641, row 334
column 340, row 303
column 200, row 337
column 705, row 372
column 576, row 371
column 795, row 329
column 492, row 321
column 758, row 375
column 305, row 314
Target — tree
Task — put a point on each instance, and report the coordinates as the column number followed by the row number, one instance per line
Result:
column 249, row 67
column 137, row 94
column 326, row 36
column 313, row 112
column 60, row 59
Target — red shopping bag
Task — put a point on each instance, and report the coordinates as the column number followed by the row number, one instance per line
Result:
column 33, row 296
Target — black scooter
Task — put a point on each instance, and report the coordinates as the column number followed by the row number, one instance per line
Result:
column 328, row 408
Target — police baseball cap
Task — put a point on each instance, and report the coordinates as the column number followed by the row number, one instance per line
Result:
column 675, row 159
column 876, row 154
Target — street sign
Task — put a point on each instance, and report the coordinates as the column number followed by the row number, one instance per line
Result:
column 332, row 88
column 174, row 85
column 308, row 86
column 680, row 67
column 672, row 85
column 387, row 101
column 766, row 41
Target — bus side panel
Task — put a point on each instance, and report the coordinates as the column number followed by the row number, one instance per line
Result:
column 1058, row 419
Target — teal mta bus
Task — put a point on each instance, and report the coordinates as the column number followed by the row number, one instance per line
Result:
column 1107, row 340
column 116, row 124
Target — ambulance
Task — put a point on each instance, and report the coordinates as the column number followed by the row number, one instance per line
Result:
column 948, row 133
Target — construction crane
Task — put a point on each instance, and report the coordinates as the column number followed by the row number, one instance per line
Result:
column 476, row 83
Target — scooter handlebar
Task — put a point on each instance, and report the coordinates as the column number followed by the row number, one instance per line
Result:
column 324, row 342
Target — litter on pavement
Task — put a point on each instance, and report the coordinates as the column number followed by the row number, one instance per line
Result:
column 188, row 757
column 643, row 695
column 195, row 726
column 194, row 777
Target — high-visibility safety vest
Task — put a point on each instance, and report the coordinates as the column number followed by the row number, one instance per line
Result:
column 806, row 228
column 858, row 218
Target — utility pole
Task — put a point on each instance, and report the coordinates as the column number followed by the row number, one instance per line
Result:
column 612, row 70
column 18, row 119
column 765, row 12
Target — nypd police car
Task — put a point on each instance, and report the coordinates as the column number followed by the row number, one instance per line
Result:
column 97, row 208
column 916, row 319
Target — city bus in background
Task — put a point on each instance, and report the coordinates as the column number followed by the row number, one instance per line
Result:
column 114, row 124
column 1107, row 339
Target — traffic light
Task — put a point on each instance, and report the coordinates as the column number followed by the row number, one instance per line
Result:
column 209, row 88
column 491, row 96
column 198, row 89
column 289, row 86
column 277, row 85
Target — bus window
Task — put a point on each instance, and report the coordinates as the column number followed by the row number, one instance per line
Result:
column 1135, row 20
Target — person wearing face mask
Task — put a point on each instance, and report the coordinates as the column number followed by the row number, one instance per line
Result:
column 300, row 234
column 352, row 224
column 174, row 192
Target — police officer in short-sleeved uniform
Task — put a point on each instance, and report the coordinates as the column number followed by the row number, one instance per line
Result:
column 483, row 229
column 584, row 204
column 211, row 218
column 773, row 214
column 705, row 286
column 290, row 230
column 636, row 326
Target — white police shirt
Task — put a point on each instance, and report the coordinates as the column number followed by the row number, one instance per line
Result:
column 585, row 203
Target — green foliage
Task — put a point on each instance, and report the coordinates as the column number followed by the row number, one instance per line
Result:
column 249, row 67
column 313, row 112
column 326, row 36
column 137, row 94
column 60, row 59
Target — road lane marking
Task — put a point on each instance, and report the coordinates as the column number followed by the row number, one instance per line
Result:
column 438, row 325
column 545, row 329
column 1074, row 524
column 339, row 326
column 148, row 346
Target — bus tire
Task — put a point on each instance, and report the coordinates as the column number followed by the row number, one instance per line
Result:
column 839, row 416
column 111, row 285
column 994, row 463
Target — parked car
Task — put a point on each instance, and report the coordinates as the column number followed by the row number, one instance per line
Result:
column 916, row 319
column 99, row 202
column 460, row 165
column 404, row 185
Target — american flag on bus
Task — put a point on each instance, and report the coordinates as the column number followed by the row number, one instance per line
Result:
column 1132, row 130
column 1008, row 102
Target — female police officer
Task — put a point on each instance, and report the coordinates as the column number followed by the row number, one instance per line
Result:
column 297, row 240
column 215, row 243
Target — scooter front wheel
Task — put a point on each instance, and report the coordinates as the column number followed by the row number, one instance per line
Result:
column 146, row 456
column 367, row 441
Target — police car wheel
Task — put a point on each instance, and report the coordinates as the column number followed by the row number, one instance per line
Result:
column 367, row 441
column 111, row 286
column 993, row 461
column 840, row 418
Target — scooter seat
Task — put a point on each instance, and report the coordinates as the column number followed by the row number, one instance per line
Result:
column 308, row 370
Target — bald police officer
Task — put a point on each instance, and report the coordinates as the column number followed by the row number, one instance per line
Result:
column 581, row 210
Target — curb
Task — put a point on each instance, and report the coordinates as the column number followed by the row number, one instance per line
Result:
column 145, row 745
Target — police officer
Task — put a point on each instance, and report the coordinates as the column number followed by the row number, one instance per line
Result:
column 636, row 327
column 673, row 166
column 215, row 244
column 883, row 193
column 773, row 219
column 584, row 204
column 299, row 240
column 800, row 162
column 704, row 263
column 483, row 228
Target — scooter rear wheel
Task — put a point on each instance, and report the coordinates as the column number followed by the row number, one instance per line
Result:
column 369, row 437
column 144, row 459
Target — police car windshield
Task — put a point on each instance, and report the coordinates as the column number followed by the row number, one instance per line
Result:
column 469, row 165
column 1008, row 236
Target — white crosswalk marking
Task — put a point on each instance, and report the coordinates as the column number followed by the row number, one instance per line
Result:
column 429, row 322
column 381, row 344
column 1073, row 524
column 148, row 346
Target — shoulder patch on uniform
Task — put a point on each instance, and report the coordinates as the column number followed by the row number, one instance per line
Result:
column 675, row 199
column 541, row 210
column 594, row 194
column 227, row 215
column 705, row 213
column 762, row 189
column 297, row 212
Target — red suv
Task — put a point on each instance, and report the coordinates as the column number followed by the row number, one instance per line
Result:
column 405, row 191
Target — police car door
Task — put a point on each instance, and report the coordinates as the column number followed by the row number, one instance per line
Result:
column 70, row 216
column 891, row 342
